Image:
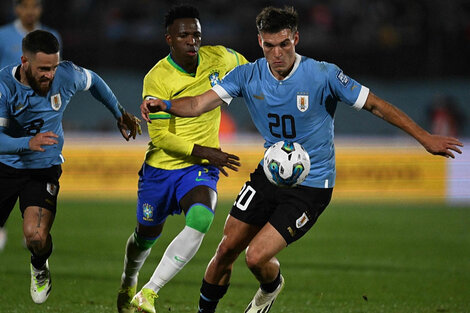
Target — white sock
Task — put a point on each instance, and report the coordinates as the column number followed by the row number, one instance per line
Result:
column 180, row 251
column 133, row 261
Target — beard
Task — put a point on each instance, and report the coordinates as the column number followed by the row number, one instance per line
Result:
column 36, row 83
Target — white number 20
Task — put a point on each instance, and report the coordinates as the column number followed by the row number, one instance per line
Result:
column 244, row 197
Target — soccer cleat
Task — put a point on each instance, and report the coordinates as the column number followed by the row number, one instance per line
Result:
column 41, row 283
column 125, row 296
column 144, row 301
column 263, row 301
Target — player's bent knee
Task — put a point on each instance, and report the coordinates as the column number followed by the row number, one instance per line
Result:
column 199, row 217
column 144, row 243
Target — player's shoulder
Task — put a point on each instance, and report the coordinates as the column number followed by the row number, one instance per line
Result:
column 161, row 69
column 6, row 28
column 7, row 78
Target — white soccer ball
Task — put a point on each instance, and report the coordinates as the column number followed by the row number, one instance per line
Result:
column 286, row 164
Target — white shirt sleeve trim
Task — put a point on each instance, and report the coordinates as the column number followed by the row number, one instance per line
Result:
column 222, row 93
column 4, row 122
column 88, row 79
column 361, row 99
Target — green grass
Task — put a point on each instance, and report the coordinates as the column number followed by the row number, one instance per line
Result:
column 356, row 259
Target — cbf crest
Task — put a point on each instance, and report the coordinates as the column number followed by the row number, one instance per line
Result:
column 302, row 101
column 214, row 78
column 147, row 211
column 56, row 102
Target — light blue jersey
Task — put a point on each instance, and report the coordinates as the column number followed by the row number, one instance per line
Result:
column 299, row 108
column 23, row 113
column 11, row 37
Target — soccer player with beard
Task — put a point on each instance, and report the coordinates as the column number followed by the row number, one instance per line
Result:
column 33, row 97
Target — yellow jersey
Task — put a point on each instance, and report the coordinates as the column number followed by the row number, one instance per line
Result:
column 173, row 138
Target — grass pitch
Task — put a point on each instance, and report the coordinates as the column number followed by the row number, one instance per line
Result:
column 357, row 259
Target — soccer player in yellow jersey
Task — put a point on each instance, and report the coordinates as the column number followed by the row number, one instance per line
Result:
column 183, row 159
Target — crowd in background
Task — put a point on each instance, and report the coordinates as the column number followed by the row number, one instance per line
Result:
column 383, row 38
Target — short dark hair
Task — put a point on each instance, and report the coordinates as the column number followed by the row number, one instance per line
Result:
column 40, row 41
column 273, row 20
column 180, row 11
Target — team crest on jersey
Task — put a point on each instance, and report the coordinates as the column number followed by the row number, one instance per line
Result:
column 343, row 78
column 302, row 220
column 52, row 189
column 214, row 78
column 302, row 101
column 147, row 211
column 56, row 102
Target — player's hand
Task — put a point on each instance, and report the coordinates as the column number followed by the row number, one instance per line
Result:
column 151, row 106
column 42, row 139
column 442, row 145
column 129, row 125
column 217, row 158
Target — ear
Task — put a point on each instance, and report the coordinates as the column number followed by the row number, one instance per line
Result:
column 168, row 39
column 260, row 41
column 24, row 59
column 296, row 38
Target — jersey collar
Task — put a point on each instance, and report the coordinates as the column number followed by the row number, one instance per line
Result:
column 298, row 57
column 179, row 68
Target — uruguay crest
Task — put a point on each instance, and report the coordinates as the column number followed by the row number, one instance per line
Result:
column 302, row 102
column 56, row 102
column 302, row 220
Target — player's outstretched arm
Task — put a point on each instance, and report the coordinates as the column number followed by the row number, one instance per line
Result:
column 182, row 107
column 434, row 144
column 217, row 158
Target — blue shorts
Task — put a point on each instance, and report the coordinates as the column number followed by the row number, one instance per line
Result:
column 160, row 191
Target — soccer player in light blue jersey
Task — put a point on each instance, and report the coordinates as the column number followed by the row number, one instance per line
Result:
column 28, row 13
column 33, row 97
column 289, row 97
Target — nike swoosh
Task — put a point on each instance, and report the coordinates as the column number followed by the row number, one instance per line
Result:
column 201, row 179
column 179, row 260
column 353, row 87
column 260, row 97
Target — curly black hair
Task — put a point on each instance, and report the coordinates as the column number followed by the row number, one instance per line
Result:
column 180, row 11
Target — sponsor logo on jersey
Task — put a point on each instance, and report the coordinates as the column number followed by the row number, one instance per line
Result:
column 214, row 78
column 343, row 78
column 302, row 102
column 19, row 106
column 52, row 189
column 147, row 211
column 301, row 221
column 259, row 97
column 56, row 101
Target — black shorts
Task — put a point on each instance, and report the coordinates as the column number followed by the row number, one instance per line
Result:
column 291, row 211
column 34, row 187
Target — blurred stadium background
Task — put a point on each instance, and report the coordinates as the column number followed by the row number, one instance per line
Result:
column 411, row 53
column 410, row 255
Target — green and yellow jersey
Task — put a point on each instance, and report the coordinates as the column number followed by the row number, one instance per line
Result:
column 173, row 138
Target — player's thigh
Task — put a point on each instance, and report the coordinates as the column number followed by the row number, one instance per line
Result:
column 255, row 201
column 237, row 236
column 41, row 189
column 156, row 195
column 297, row 210
column 198, row 185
